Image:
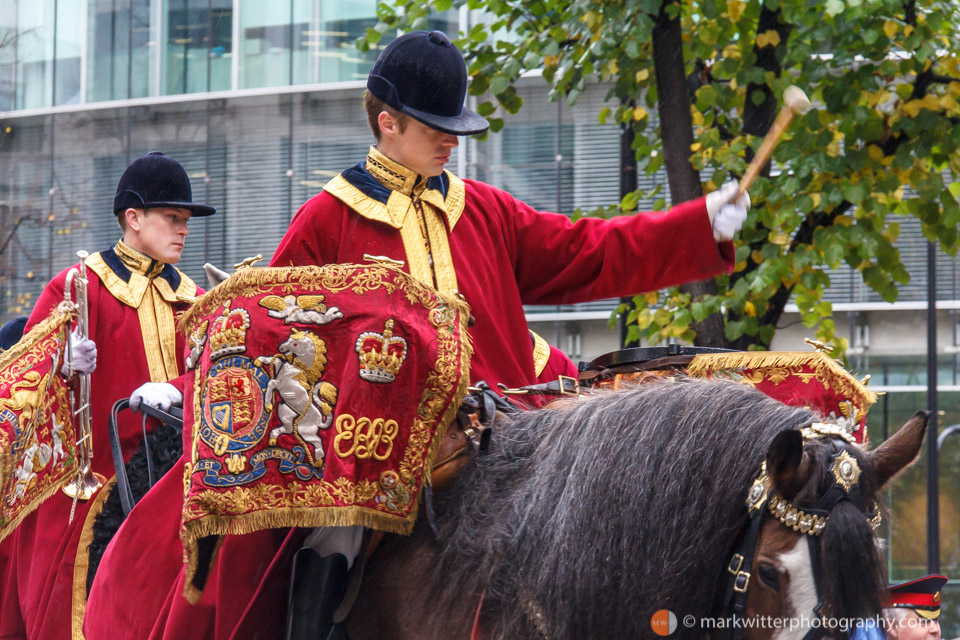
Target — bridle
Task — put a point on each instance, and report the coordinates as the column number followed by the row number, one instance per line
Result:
column 762, row 499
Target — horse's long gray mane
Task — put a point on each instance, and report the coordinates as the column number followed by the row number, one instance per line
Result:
column 597, row 516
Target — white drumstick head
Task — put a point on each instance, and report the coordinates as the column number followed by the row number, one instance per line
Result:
column 796, row 100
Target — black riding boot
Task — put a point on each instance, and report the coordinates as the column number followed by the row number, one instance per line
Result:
column 316, row 588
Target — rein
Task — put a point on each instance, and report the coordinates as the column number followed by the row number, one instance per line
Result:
column 762, row 499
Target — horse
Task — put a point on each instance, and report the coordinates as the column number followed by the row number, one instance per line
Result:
column 583, row 522
column 306, row 401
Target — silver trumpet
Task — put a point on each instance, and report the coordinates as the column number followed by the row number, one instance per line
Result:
column 87, row 482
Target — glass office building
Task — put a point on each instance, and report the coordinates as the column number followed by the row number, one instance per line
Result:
column 260, row 101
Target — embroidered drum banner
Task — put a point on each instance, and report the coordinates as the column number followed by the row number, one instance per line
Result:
column 37, row 441
column 800, row 379
column 320, row 396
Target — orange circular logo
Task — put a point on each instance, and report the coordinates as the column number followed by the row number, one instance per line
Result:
column 663, row 622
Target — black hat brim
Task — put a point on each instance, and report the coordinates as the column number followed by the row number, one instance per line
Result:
column 196, row 210
column 468, row 123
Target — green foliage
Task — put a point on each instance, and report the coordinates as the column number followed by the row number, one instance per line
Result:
column 884, row 76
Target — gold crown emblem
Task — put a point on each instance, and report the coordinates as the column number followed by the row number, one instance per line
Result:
column 228, row 333
column 381, row 354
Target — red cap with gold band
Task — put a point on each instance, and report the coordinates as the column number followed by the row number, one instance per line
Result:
column 799, row 379
column 922, row 595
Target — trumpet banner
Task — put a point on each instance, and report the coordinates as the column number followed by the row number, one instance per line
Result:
column 320, row 396
column 37, row 438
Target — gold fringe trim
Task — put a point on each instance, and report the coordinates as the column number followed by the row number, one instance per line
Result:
column 250, row 282
column 334, row 277
column 826, row 368
column 58, row 318
column 81, row 564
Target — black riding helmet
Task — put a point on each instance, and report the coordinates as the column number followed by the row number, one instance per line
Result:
column 156, row 180
column 423, row 74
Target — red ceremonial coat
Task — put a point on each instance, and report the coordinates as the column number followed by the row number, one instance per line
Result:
column 40, row 597
column 499, row 254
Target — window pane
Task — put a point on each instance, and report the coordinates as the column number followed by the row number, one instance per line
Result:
column 34, row 54
column 265, row 35
column 324, row 49
column 198, row 46
column 8, row 48
column 118, row 62
column 68, row 52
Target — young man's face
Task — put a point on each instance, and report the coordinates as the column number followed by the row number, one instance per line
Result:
column 418, row 147
column 159, row 233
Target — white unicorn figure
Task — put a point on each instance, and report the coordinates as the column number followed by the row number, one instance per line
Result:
column 306, row 402
column 56, row 433
column 36, row 455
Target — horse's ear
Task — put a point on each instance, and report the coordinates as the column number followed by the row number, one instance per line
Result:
column 899, row 450
column 784, row 460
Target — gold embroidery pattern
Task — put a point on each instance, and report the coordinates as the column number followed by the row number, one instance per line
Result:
column 363, row 437
column 44, row 405
column 392, row 175
column 251, row 508
column 824, row 368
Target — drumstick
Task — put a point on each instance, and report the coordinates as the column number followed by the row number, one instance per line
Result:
column 795, row 102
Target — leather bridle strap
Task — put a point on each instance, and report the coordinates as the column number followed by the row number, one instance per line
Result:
column 740, row 564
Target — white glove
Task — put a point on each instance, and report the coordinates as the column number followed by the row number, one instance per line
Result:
column 84, row 352
column 727, row 212
column 159, row 395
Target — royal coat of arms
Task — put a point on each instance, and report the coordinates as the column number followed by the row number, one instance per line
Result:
column 319, row 398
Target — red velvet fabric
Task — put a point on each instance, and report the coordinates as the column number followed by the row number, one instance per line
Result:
column 506, row 255
column 37, row 560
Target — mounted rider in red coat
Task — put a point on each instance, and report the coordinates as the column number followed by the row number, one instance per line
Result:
column 399, row 206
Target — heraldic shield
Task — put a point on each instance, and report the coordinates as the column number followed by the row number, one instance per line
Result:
column 37, row 438
column 320, row 396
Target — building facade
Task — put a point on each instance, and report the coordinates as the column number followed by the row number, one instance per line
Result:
column 261, row 103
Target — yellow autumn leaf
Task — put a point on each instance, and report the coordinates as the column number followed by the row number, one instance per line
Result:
column 749, row 309
column 735, row 9
column 756, row 256
column 642, row 75
column 652, row 298
column 844, row 221
column 948, row 102
column 732, row 51
column 890, row 27
column 876, row 153
column 768, row 38
column 816, row 200
column 696, row 146
column 639, row 113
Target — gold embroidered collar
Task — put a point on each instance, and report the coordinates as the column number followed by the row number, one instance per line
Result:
column 401, row 184
column 138, row 262
column 394, row 175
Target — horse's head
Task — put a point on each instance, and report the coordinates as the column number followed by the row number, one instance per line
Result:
column 817, row 553
column 300, row 344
